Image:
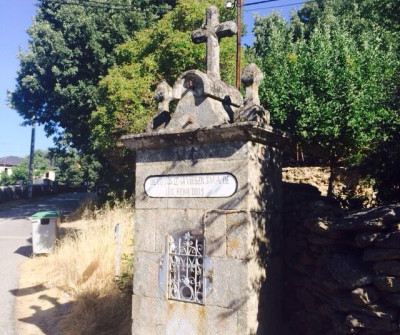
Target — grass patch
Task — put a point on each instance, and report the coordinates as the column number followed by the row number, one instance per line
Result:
column 82, row 271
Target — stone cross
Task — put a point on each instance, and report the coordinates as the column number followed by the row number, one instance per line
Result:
column 210, row 34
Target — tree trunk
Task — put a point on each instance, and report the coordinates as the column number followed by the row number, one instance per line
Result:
column 332, row 167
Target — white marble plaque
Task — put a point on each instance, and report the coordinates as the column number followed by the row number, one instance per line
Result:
column 216, row 185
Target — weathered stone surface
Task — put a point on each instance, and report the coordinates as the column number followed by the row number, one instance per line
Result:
column 210, row 34
column 361, row 224
column 364, row 240
column 204, row 102
column 373, row 332
column 239, row 234
column 324, row 226
column 242, row 131
column 320, row 241
column 145, row 280
column 232, row 151
column 251, row 79
column 343, row 303
column 357, row 320
column 391, row 268
column 365, row 296
column 392, row 216
column 368, row 220
column 387, row 283
column 349, row 271
column 144, row 237
column 215, row 233
column 160, row 317
column 307, row 258
column 381, row 311
column 325, row 274
column 225, row 294
column 380, row 254
column 393, row 299
column 264, row 187
column 202, row 86
column 244, row 326
column 341, row 327
column 165, row 216
column 163, row 96
column 239, row 200
column 177, row 220
column 389, row 240
column 252, row 112
column 251, row 109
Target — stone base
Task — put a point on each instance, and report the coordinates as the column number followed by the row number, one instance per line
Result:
column 157, row 317
column 241, row 232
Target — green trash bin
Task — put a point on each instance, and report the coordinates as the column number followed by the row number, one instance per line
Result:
column 45, row 231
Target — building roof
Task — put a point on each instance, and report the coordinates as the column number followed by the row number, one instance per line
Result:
column 10, row 161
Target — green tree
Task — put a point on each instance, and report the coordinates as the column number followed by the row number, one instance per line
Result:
column 71, row 48
column 41, row 163
column 332, row 88
column 19, row 173
column 73, row 168
column 383, row 166
column 356, row 15
column 5, row 179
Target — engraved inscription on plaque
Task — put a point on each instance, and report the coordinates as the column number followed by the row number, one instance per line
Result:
column 215, row 185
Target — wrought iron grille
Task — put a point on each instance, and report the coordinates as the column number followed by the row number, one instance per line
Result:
column 186, row 269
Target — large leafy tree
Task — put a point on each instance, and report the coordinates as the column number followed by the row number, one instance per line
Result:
column 331, row 78
column 162, row 51
column 74, row 168
column 71, row 48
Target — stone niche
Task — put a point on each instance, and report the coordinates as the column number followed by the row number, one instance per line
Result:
column 207, row 243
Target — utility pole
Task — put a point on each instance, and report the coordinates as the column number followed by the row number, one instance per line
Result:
column 31, row 160
column 229, row 4
column 238, row 41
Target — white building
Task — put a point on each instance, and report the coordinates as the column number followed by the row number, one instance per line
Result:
column 7, row 164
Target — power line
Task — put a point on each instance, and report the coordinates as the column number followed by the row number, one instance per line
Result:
column 91, row 4
column 258, row 2
column 280, row 6
column 106, row 5
column 86, row 3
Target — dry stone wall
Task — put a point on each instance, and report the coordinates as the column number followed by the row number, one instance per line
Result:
column 348, row 186
column 342, row 269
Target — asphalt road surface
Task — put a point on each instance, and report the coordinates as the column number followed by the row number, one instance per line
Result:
column 16, row 246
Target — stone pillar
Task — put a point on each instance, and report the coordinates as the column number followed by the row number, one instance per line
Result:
column 222, row 185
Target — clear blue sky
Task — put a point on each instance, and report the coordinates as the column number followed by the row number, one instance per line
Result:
column 15, row 18
column 283, row 7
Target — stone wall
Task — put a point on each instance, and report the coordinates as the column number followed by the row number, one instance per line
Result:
column 342, row 268
column 348, row 186
column 8, row 193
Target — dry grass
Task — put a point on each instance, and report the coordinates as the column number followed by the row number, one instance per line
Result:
column 82, row 269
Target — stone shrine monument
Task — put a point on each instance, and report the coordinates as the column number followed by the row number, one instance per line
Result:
column 207, row 238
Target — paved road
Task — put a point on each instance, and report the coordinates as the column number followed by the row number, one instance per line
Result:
column 15, row 246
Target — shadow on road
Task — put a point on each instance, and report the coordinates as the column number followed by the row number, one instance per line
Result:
column 25, row 250
column 20, row 292
column 47, row 319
